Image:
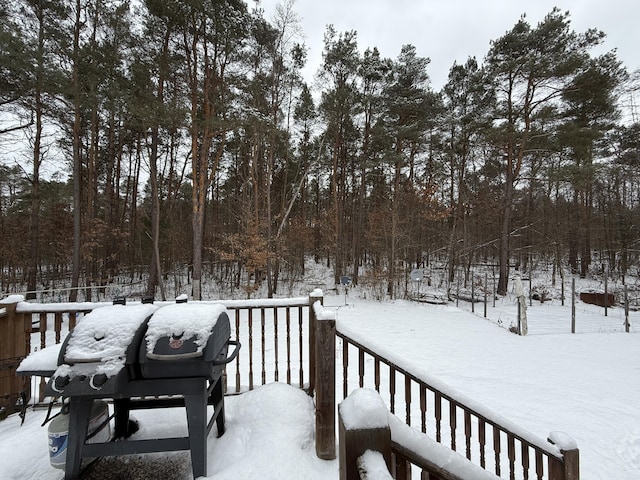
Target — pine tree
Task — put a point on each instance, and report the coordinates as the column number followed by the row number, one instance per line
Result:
column 530, row 69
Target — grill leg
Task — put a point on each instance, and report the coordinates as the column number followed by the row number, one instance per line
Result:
column 121, row 409
column 218, row 404
column 79, row 413
column 196, row 406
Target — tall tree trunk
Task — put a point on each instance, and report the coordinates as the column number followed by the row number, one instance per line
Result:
column 77, row 160
column 155, row 268
column 393, row 240
column 34, row 223
column 503, row 278
column 511, row 173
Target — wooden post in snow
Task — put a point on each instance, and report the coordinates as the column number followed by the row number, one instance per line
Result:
column 573, row 305
column 473, row 294
column 485, row 295
column 626, row 309
column 523, row 327
column 493, row 291
column 606, row 294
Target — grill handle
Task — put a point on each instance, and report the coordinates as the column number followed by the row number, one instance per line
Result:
column 233, row 355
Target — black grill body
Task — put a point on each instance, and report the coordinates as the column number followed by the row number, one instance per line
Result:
column 174, row 356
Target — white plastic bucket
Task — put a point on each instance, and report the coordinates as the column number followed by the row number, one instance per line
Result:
column 58, row 432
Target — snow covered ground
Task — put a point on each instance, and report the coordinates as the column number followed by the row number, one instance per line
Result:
column 585, row 384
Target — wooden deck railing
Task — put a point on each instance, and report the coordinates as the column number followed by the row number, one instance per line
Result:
column 294, row 341
column 277, row 341
column 480, row 435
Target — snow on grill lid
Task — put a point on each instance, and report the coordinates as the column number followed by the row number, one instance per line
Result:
column 183, row 320
column 105, row 333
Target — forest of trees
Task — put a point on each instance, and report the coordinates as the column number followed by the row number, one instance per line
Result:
column 184, row 136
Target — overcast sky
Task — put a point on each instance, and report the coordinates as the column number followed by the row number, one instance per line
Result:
column 452, row 30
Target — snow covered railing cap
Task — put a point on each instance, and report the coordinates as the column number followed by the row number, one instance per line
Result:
column 12, row 299
column 321, row 312
column 363, row 409
column 563, row 441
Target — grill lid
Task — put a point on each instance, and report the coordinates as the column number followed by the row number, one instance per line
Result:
column 181, row 330
column 104, row 336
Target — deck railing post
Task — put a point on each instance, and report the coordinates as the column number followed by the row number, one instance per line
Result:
column 325, row 373
column 569, row 467
column 571, row 464
column 355, row 438
column 15, row 344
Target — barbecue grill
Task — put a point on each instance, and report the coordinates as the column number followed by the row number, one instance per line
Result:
column 142, row 356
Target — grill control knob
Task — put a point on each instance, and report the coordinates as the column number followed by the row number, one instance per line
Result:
column 60, row 382
column 98, row 380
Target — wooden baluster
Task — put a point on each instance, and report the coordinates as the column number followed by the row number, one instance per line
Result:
column 483, row 441
column 43, row 330
column 423, row 407
column 392, row 388
column 300, row 330
column 539, row 464
column 345, row 368
column 525, row 460
column 238, row 357
column 288, row 319
column 58, row 325
column 496, row 448
column 438, row 413
column 401, row 467
column 263, row 347
column 452, row 423
column 250, row 327
column 376, row 373
column 361, row 368
column 467, row 432
column 43, row 344
column 275, row 342
column 407, row 398
column 511, row 453
column 72, row 320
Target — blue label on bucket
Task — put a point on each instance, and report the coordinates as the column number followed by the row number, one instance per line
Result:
column 57, row 447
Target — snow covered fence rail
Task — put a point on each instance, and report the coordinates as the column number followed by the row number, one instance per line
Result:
column 490, row 440
column 277, row 340
column 374, row 444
